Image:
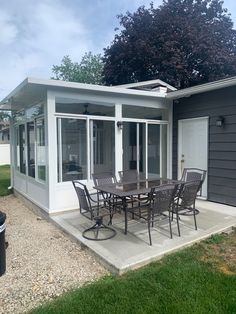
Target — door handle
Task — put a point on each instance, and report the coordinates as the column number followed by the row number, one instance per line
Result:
column 182, row 160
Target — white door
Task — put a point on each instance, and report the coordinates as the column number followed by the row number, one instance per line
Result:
column 193, row 146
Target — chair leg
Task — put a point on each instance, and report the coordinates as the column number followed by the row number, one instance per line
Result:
column 96, row 228
column 177, row 218
column 171, row 236
column 149, row 232
column 194, row 216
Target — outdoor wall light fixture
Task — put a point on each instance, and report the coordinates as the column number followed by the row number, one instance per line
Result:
column 220, row 121
column 119, row 125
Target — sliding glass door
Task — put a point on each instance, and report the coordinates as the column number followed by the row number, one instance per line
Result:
column 102, row 146
column 145, row 148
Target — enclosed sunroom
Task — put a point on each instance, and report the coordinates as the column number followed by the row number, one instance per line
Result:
column 62, row 131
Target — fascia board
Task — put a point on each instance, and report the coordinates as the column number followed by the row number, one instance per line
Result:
column 91, row 87
column 146, row 83
column 202, row 88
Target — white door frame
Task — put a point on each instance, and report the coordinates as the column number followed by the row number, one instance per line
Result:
column 180, row 140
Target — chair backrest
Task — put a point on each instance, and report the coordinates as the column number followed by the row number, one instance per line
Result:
column 103, row 178
column 163, row 197
column 128, row 175
column 189, row 192
column 83, row 196
column 194, row 174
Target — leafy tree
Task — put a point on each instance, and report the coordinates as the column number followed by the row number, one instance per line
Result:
column 183, row 42
column 89, row 70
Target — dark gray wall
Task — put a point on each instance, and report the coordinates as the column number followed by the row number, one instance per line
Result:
column 222, row 140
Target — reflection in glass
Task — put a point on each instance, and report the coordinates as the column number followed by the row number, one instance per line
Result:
column 163, row 139
column 40, row 149
column 139, row 112
column 134, row 133
column 76, row 106
column 17, row 151
column 153, row 150
column 34, row 111
column 103, row 147
column 22, row 155
column 31, row 149
column 129, row 146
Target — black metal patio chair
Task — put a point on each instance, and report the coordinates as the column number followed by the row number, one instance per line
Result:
column 159, row 207
column 194, row 174
column 128, row 175
column 131, row 176
column 104, row 179
column 185, row 203
column 88, row 205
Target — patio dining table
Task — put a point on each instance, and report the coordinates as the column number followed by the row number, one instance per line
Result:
column 125, row 190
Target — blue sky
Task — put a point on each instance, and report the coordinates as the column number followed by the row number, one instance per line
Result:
column 34, row 35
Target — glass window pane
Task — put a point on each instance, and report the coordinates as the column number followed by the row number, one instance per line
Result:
column 164, row 150
column 22, row 156
column 153, row 150
column 103, row 147
column 75, row 106
column 138, row 112
column 73, row 149
column 41, row 149
column 17, row 152
column 34, row 111
column 129, row 145
column 31, row 149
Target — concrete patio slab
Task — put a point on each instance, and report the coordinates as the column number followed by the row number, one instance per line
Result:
column 126, row 252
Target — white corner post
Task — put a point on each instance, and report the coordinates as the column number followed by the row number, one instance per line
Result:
column 118, row 140
column 170, row 140
column 51, row 137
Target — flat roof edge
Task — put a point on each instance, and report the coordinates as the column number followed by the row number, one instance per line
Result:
column 50, row 83
column 14, row 91
column 146, row 83
column 203, row 88
column 90, row 87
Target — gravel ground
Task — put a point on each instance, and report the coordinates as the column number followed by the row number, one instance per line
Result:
column 42, row 262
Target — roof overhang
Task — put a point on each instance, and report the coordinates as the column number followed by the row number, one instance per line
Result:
column 147, row 84
column 203, row 88
column 32, row 88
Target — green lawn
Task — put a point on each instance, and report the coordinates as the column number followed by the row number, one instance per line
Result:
column 200, row 279
column 4, row 180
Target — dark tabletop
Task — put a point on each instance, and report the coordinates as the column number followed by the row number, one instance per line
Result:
column 133, row 188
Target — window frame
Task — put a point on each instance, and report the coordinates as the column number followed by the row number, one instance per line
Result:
column 17, row 167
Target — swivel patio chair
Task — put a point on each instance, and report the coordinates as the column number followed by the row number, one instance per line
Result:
column 99, row 231
column 185, row 203
column 159, row 207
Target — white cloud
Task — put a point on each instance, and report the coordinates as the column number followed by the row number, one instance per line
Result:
column 38, row 37
column 8, row 30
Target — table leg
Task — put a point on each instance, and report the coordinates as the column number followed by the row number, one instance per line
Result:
column 125, row 211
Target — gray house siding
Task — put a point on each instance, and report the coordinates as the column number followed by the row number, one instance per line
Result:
column 222, row 140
